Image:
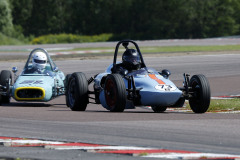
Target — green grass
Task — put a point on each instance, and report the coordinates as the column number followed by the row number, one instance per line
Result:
column 5, row 40
column 224, row 105
column 173, row 49
column 221, row 105
column 193, row 48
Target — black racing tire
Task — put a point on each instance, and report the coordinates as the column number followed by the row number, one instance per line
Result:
column 66, row 86
column 159, row 109
column 200, row 99
column 66, row 80
column 77, row 92
column 4, row 78
column 0, row 100
column 115, row 93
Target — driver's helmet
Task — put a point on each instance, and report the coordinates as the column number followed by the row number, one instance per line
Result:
column 39, row 60
column 131, row 59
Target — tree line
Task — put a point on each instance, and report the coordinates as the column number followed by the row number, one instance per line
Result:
column 135, row 19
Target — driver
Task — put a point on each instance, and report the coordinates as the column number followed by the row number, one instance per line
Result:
column 131, row 60
column 39, row 62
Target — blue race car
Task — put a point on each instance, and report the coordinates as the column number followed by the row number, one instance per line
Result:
column 40, row 80
column 127, row 84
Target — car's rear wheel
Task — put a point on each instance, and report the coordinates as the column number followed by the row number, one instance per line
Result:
column 77, row 92
column 159, row 109
column 5, row 80
column 115, row 93
column 201, row 94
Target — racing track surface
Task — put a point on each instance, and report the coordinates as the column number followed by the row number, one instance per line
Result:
column 210, row 132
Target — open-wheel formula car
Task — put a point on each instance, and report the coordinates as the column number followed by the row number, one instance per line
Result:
column 40, row 80
column 127, row 84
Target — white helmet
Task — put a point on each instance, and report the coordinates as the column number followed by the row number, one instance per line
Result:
column 39, row 60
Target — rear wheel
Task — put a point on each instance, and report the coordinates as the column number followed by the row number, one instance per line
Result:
column 115, row 93
column 159, row 109
column 77, row 92
column 6, row 80
column 200, row 100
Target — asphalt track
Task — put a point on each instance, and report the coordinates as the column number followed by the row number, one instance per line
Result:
column 208, row 133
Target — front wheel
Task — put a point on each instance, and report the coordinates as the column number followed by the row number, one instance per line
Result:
column 6, row 80
column 66, row 81
column 115, row 93
column 0, row 100
column 77, row 92
column 201, row 94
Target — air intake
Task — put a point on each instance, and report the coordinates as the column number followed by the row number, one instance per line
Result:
column 29, row 93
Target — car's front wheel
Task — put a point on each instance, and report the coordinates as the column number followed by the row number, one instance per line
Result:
column 66, row 81
column 201, row 94
column 77, row 92
column 6, row 81
column 115, row 93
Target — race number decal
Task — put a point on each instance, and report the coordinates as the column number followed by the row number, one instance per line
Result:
column 163, row 87
column 32, row 82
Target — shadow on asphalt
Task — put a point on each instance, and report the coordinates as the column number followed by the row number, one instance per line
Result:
column 124, row 112
column 148, row 112
column 17, row 104
column 7, row 158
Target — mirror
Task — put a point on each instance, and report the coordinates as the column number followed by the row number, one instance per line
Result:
column 166, row 73
column 14, row 69
column 55, row 69
column 124, row 72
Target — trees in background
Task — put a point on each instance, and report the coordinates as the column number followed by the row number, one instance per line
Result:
column 135, row 19
column 6, row 25
column 212, row 18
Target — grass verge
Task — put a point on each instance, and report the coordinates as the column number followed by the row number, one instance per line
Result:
column 193, row 48
column 5, row 40
column 175, row 49
column 222, row 105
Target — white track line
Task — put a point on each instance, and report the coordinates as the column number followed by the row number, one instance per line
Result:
column 78, row 146
column 28, row 142
column 191, row 156
column 56, row 147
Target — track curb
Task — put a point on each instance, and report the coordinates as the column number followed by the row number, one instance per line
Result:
column 109, row 149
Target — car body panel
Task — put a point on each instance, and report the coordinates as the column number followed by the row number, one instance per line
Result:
column 155, row 90
column 130, row 83
column 44, row 82
column 49, row 84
